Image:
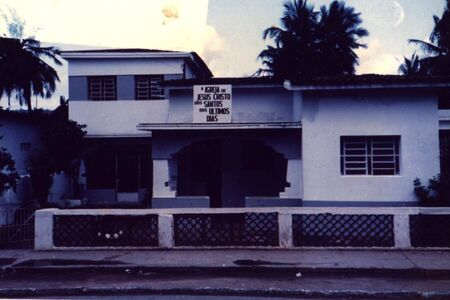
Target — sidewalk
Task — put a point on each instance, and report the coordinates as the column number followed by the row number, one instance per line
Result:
column 427, row 260
column 271, row 272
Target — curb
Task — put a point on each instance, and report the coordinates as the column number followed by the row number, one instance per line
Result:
column 239, row 271
column 80, row 291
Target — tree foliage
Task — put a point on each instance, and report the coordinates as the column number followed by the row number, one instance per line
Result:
column 61, row 152
column 23, row 69
column 410, row 66
column 437, row 49
column 313, row 43
column 437, row 193
column 8, row 174
column 14, row 24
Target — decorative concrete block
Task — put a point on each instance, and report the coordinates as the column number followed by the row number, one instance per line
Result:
column 165, row 231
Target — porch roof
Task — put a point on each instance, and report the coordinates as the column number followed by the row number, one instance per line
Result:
column 367, row 81
column 220, row 126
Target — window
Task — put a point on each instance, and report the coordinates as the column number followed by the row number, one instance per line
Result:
column 102, row 88
column 149, row 87
column 26, row 147
column 370, row 155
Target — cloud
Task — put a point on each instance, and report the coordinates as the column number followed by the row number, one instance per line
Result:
column 163, row 24
column 376, row 60
column 158, row 24
column 213, row 52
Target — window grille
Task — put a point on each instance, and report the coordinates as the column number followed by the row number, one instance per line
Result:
column 149, row 87
column 370, row 155
column 102, row 88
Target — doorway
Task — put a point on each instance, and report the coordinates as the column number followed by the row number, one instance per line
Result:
column 228, row 170
column 119, row 174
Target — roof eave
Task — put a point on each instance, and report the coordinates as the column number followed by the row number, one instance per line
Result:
column 311, row 87
column 75, row 55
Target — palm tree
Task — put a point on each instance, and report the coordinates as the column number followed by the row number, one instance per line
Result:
column 23, row 70
column 437, row 49
column 299, row 22
column 313, row 43
column 410, row 66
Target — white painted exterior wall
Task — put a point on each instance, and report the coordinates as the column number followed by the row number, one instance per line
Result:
column 117, row 118
column 14, row 132
column 257, row 104
column 21, row 130
column 326, row 116
column 128, row 66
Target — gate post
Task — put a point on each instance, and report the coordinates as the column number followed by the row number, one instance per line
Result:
column 401, row 231
column 285, row 230
column 165, row 231
column 43, row 229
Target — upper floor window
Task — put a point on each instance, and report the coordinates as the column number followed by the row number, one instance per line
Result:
column 148, row 87
column 370, row 155
column 102, row 88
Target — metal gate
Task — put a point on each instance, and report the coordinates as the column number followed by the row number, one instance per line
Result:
column 444, row 142
column 16, row 228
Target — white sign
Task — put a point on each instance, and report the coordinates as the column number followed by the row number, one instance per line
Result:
column 212, row 103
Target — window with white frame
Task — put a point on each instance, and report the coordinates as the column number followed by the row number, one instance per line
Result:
column 148, row 87
column 102, row 88
column 370, row 155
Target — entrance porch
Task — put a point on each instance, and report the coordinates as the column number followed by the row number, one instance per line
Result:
column 226, row 168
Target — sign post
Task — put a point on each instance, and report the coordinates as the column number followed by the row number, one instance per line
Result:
column 212, row 103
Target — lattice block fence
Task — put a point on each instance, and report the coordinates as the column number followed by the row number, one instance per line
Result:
column 105, row 231
column 429, row 230
column 297, row 227
column 349, row 230
column 247, row 229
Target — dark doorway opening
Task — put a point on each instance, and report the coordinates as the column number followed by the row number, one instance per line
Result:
column 119, row 173
column 228, row 170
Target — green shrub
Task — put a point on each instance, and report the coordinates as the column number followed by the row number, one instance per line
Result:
column 437, row 193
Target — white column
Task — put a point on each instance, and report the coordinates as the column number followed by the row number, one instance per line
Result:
column 401, row 231
column 295, row 178
column 161, row 179
column 285, row 230
column 165, row 231
column 43, row 229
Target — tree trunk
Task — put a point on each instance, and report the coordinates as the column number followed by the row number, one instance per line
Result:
column 27, row 96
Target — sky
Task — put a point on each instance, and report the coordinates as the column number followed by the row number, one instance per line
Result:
column 227, row 34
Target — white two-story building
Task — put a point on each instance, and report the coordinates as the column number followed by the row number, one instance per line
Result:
column 162, row 132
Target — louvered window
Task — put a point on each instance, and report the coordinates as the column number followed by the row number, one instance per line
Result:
column 370, row 155
column 102, row 88
column 149, row 87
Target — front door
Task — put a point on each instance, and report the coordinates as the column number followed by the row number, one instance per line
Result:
column 127, row 175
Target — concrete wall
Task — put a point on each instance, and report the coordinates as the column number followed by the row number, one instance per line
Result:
column 45, row 227
column 125, row 66
column 413, row 115
column 249, row 105
column 78, row 88
column 125, row 87
column 16, row 131
column 117, row 118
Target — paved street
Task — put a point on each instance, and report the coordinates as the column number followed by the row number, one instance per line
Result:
column 284, row 284
column 233, row 273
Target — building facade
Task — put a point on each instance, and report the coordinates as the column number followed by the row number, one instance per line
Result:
column 162, row 132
